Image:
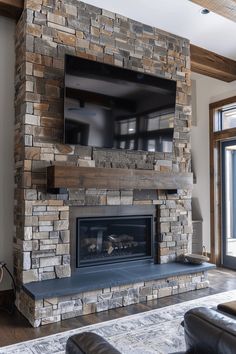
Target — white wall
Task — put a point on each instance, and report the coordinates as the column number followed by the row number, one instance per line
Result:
column 7, row 69
column 208, row 90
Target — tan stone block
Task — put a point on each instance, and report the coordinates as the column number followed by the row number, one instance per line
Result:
column 82, row 43
column 26, row 260
column 46, row 60
column 51, row 301
column 61, row 225
column 64, row 38
column 61, row 157
column 53, row 319
column 34, row 5
column 94, row 31
column 63, row 248
column 58, row 63
column 64, row 215
column 63, row 271
column 55, row 202
column 89, row 308
column 43, row 312
column 56, row 207
column 65, row 236
column 38, row 70
column 71, row 9
column 27, row 233
column 86, row 163
column 31, row 221
column 79, row 34
column 28, row 208
column 164, row 292
column 32, row 119
column 164, row 251
column 40, row 235
column 53, row 217
column 47, row 157
column 34, row 30
column 30, row 275
column 29, row 86
column 96, row 48
column 27, row 165
column 33, row 57
column 60, row 20
column 41, row 106
column 26, row 180
column 64, row 149
column 50, row 261
column 30, row 245
column 61, row 28
column 29, row 68
column 52, row 91
column 142, row 202
column 32, row 153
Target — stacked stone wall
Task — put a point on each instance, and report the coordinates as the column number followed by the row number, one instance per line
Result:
column 47, row 30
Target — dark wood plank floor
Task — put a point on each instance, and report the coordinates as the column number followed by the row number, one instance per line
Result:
column 15, row 328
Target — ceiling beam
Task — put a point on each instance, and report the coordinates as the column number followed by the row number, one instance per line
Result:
column 11, row 8
column 211, row 64
column 225, row 8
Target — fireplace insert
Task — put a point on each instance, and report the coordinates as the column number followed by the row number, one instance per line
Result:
column 104, row 240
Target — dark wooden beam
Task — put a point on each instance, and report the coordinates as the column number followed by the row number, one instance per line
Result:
column 11, row 8
column 225, row 8
column 211, row 64
column 115, row 178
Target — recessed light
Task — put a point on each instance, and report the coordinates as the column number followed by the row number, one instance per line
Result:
column 204, row 11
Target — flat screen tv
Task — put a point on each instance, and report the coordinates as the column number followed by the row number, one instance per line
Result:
column 112, row 107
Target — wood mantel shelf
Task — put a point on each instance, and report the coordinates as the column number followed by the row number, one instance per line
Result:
column 115, row 178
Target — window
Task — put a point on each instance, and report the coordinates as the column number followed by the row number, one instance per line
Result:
column 225, row 118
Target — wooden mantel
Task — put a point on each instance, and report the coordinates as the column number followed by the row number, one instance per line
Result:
column 115, row 178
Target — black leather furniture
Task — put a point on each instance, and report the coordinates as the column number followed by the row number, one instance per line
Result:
column 89, row 343
column 207, row 331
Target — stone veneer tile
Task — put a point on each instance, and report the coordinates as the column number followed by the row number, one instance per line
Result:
column 54, row 309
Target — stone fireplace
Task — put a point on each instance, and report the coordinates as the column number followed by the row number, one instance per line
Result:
column 46, row 242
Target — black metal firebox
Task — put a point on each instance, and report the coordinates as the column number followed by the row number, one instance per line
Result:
column 105, row 240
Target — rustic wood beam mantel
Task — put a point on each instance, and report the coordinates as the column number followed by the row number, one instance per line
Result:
column 115, row 178
column 211, row 64
column 225, row 8
column 11, row 8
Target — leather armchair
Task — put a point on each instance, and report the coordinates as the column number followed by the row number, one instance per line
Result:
column 208, row 331
column 89, row 343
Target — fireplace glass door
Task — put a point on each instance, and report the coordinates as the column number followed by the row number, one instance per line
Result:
column 113, row 239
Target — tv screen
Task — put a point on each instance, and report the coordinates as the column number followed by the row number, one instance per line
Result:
column 112, row 107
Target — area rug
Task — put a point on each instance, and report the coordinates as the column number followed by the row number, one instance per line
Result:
column 153, row 332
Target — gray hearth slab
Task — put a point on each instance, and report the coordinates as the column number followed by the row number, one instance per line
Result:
column 82, row 282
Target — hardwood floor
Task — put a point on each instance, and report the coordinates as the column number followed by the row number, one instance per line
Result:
column 15, row 328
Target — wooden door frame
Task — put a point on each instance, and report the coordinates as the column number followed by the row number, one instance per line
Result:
column 215, row 139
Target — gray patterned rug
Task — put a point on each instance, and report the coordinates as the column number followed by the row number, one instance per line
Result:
column 152, row 332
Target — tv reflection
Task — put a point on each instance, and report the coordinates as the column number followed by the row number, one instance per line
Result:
column 95, row 125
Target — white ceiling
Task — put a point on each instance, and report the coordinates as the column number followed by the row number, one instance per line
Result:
column 180, row 17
